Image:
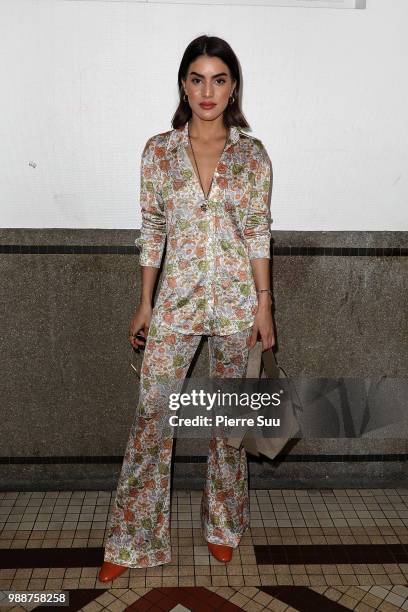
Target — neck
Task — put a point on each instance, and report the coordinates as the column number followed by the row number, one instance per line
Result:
column 207, row 131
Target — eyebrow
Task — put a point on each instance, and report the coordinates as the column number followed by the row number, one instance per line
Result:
column 214, row 77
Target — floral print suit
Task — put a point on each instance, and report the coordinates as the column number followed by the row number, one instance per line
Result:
column 207, row 289
column 208, row 285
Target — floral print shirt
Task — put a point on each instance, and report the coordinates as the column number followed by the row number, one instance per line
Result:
column 208, row 285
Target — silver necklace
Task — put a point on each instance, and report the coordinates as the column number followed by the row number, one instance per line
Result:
column 203, row 206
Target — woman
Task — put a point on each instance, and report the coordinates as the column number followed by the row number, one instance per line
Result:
column 205, row 186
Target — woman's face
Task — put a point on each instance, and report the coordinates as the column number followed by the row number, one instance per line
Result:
column 208, row 80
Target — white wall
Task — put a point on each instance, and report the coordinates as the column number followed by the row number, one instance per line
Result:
column 84, row 84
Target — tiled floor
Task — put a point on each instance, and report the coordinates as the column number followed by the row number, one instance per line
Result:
column 308, row 550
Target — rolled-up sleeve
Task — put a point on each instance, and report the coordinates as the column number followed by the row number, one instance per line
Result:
column 153, row 231
column 257, row 232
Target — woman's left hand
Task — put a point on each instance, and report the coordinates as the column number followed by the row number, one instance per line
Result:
column 263, row 325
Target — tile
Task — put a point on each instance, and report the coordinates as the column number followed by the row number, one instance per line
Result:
column 331, row 546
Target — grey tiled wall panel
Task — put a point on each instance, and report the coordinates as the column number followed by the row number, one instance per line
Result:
column 67, row 388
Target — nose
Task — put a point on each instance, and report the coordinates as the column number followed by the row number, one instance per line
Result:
column 207, row 90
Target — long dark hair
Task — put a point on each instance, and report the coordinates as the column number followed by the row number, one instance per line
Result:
column 213, row 47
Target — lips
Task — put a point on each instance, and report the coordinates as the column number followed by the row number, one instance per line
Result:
column 203, row 105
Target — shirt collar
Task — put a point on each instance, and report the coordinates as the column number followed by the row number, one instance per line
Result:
column 180, row 136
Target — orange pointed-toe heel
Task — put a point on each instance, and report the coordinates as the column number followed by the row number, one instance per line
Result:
column 220, row 551
column 110, row 571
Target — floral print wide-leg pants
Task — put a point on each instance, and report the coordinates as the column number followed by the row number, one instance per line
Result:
column 138, row 532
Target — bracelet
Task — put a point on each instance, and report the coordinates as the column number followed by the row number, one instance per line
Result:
column 262, row 290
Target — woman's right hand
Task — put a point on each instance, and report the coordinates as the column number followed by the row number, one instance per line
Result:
column 140, row 325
